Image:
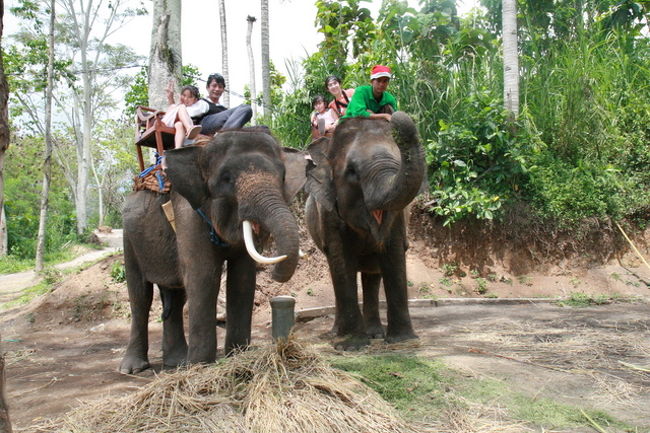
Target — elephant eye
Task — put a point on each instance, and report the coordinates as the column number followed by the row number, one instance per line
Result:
column 351, row 173
column 226, row 178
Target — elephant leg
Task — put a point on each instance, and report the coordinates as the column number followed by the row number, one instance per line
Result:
column 174, row 344
column 140, row 297
column 202, row 285
column 370, row 283
column 393, row 269
column 240, row 296
column 351, row 331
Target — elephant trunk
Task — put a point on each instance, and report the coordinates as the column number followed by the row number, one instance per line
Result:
column 266, row 207
column 396, row 190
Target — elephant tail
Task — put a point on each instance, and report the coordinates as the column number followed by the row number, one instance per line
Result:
column 166, row 298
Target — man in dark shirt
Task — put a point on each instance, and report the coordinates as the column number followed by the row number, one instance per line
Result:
column 220, row 117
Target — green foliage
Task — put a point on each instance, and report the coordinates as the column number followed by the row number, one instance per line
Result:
column 22, row 201
column 118, row 272
column 481, row 286
column 479, row 162
column 580, row 299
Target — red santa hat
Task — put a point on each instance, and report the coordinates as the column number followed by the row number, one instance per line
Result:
column 380, row 71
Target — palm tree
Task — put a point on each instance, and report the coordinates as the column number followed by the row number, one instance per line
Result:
column 224, row 49
column 510, row 57
column 251, row 66
column 266, row 63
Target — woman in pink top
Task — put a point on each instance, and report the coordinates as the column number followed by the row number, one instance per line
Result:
column 341, row 97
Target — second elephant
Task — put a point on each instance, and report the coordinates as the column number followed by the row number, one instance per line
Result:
column 359, row 185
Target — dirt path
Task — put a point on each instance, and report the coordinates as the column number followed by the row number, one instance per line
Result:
column 574, row 356
column 11, row 285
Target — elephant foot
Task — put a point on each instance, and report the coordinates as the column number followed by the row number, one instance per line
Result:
column 397, row 338
column 133, row 364
column 351, row 342
column 375, row 331
column 175, row 358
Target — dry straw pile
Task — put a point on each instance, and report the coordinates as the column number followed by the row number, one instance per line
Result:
column 275, row 389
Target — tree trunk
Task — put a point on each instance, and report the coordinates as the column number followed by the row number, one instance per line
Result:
column 5, row 425
column 4, row 245
column 510, row 57
column 165, row 58
column 251, row 67
column 266, row 61
column 4, row 133
column 47, row 161
column 100, row 193
column 224, row 50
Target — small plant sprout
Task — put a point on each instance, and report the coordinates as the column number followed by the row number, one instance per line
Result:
column 481, row 286
column 449, row 269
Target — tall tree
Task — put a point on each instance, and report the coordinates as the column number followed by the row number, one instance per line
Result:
column 5, row 424
column 165, row 59
column 251, row 67
column 4, row 138
column 266, row 60
column 87, row 38
column 510, row 57
column 47, row 160
column 224, row 49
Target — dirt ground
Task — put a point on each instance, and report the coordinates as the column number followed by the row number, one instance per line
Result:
column 63, row 348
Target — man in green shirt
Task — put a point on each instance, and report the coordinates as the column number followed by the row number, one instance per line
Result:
column 373, row 101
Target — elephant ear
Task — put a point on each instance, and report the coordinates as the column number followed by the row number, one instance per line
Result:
column 295, row 165
column 184, row 172
column 319, row 174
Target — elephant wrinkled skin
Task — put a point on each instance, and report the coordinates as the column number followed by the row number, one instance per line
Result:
column 239, row 176
column 359, row 185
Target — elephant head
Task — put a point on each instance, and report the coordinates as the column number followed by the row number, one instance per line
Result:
column 238, row 181
column 368, row 172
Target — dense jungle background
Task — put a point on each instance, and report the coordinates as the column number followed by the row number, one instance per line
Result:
column 576, row 156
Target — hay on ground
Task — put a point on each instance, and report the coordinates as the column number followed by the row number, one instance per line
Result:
column 285, row 388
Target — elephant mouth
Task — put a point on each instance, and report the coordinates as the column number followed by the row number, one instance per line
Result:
column 378, row 215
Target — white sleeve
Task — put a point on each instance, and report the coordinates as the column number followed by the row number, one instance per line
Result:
column 198, row 108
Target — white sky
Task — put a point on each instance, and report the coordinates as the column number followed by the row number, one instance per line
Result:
column 292, row 34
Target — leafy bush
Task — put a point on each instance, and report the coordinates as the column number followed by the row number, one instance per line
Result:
column 118, row 272
column 478, row 163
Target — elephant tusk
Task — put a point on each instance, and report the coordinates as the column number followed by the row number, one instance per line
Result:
column 250, row 247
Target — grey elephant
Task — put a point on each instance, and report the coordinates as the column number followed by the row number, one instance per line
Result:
column 359, row 185
column 228, row 197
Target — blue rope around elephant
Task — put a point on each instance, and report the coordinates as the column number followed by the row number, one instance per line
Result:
column 214, row 237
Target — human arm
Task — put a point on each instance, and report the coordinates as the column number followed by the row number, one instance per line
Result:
column 360, row 103
column 170, row 92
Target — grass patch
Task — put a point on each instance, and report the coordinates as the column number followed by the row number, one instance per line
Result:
column 423, row 389
column 10, row 264
column 580, row 299
column 414, row 385
column 539, row 411
column 27, row 295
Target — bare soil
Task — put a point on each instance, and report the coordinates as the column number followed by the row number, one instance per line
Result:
column 64, row 348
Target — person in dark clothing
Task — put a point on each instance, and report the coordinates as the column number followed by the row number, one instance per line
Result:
column 219, row 117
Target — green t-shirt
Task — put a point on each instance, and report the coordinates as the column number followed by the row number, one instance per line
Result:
column 363, row 100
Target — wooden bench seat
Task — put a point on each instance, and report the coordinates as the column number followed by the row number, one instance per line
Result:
column 151, row 132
